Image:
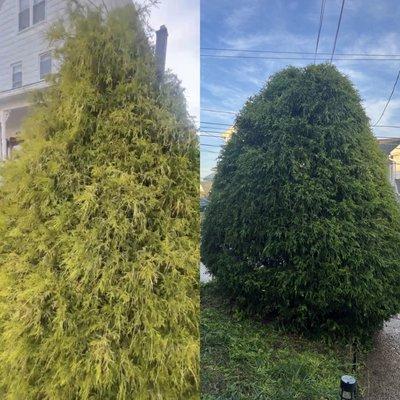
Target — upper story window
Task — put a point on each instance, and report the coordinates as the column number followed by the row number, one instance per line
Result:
column 16, row 75
column 39, row 11
column 30, row 13
column 24, row 16
column 45, row 65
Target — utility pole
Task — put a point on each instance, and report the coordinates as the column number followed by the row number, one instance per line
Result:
column 161, row 51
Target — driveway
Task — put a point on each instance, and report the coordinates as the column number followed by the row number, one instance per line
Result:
column 383, row 364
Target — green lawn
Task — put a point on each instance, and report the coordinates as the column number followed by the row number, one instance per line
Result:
column 245, row 359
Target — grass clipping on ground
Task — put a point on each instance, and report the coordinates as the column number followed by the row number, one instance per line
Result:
column 245, row 359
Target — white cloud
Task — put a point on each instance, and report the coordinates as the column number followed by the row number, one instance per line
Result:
column 251, row 73
column 374, row 108
column 241, row 15
column 278, row 39
column 355, row 75
column 229, row 97
column 389, row 43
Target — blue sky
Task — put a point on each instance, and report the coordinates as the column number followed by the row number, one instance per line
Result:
column 368, row 26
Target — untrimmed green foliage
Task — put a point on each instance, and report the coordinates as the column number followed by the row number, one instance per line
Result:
column 303, row 223
column 99, row 228
column 243, row 359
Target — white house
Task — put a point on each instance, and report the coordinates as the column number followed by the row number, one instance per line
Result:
column 25, row 57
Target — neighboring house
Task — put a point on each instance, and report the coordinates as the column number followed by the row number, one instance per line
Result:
column 391, row 147
column 205, row 188
column 227, row 135
column 203, row 203
column 26, row 58
column 206, row 184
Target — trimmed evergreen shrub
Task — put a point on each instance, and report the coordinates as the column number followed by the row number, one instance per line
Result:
column 99, row 227
column 303, row 223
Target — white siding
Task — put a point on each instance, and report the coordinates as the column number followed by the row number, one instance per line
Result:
column 26, row 46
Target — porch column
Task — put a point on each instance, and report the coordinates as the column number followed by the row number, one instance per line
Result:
column 3, row 120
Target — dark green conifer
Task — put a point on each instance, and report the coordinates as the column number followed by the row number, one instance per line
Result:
column 99, row 227
column 303, row 223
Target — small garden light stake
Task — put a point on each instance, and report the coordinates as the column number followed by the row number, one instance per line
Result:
column 348, row 387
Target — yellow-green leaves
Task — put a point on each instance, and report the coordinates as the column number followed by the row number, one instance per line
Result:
column 99, row 227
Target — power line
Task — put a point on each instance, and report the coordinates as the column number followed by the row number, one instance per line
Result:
column 211, row 145
column 211, row 136
column 208, row 131
column 218, row 111
column 387, row 126
column 321, row 17
column 232, row 112
column 208, row 151
column 377, row 137
column 294, row 58
column 337, row 30
column 390, row 98
column 299, row 52
column 210, row 127
column 214, row 123
column 378, row 126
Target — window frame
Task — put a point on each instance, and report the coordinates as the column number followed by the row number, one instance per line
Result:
column 33, row 5
column 13, row 65
column 31, row 23
column 46, row 53
column 19, row 14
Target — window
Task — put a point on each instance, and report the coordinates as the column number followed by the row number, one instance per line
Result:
column 24, row 14
column 39, row 10
column 45, row 65
column 17, row 75
column 30, row 13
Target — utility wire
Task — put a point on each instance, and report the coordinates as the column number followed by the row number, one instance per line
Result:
column 211, row 136
column 218, row 111
column 321, row 18
column 218, row 123
column 208, row 151
column 208, row 131
column 377, row 137
column 211, row 145
column 387, row 126
column 216, row 56
column 206, row 128
column 215, row 123
column 390, row 98
column 337, row 30
column 299, row 52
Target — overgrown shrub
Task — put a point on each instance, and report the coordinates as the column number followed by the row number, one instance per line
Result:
column 99, row 227
column 303, row 223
